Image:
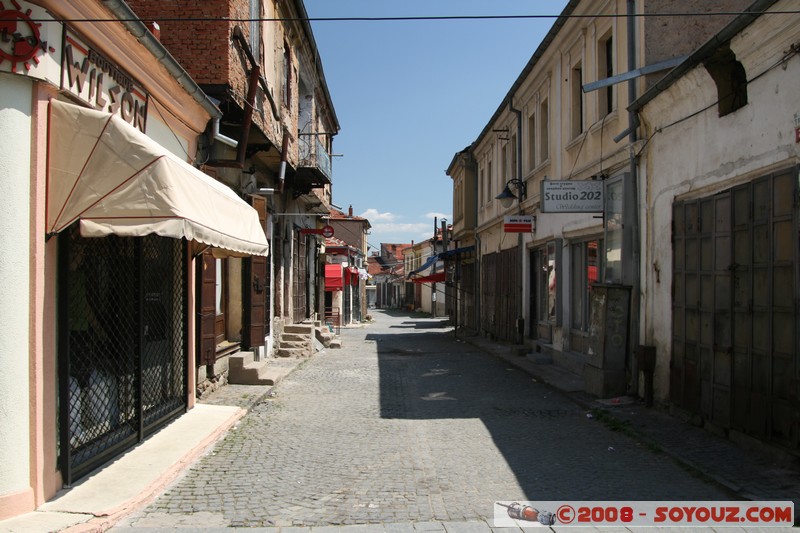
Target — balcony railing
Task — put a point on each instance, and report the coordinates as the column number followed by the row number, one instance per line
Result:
column 314, row 157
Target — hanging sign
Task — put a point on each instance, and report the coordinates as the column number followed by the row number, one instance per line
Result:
column 572, row 196
column 325, row 231
column 518, row 224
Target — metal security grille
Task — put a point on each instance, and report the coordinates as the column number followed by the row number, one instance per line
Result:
column 122, row 365
column 735, row 358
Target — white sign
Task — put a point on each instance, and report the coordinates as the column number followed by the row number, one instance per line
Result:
column 572, row 196
column 518, row 224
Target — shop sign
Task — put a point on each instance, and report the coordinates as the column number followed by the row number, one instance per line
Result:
column 518, row 224
column 572, row 196
column 27, row 45
column 102, row 84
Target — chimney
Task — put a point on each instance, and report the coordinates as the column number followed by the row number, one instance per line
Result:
column 155, row 29
column 350, row 211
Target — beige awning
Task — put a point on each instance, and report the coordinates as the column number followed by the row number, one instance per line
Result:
column 117, row 180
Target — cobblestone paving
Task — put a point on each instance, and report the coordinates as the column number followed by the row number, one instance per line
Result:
column 406, row 425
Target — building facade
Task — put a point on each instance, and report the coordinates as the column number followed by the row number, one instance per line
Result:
column 110, row 215
column 272, row 145
column 560, row 148
column 720, row 176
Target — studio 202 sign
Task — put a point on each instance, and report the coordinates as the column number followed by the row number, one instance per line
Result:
column 572, row 196
column 100, row 83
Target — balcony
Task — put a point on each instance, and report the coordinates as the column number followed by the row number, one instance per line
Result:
column 314, row 168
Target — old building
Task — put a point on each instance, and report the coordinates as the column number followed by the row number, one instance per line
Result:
column 353, row 231
column 557, row 220
column 259, row 60
column 719, row 244
column 108, row 215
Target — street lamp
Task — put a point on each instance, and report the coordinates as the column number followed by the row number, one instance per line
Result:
column 507, row 197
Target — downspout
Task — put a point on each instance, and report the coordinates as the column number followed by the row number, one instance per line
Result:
column 520, row 243
column 247, row 120
column 635, row 245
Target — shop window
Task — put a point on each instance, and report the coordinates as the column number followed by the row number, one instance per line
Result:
column 547, row 283
column 586, row 271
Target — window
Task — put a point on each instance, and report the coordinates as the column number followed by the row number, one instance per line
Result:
column 532, row 141
column 605, row 69
column 503, row 164
column 614, row 231
column 544, row 131
column 286, row 86
column 730, row 78
column 576, row 115
column 514, row 156
column 255, row 29
column 489, row 178
column 547, row 282
column 586, row 271
column 481, row 185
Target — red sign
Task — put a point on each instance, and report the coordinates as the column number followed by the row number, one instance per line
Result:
column 518, row 224
column 325, row 231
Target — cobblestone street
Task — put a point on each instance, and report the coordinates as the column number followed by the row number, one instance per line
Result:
column 406, row 424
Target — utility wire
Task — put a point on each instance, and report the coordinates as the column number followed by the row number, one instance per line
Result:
column 429, row 18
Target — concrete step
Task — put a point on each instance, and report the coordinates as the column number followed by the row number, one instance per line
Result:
column 324, row 336
column 295, row 337
column 571, row 361
column 301, row 329
column 294, row 344
column 336, row 343
column 292, row 352
column 242, row 370
column 240, row 360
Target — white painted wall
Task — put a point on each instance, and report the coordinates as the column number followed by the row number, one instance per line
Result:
column 15, row 176
column 706, row 153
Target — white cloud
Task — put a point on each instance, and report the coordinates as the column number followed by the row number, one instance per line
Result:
column 373, row 214
column 439, row 216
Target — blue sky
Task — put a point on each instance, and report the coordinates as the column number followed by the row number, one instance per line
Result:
column 410, row 94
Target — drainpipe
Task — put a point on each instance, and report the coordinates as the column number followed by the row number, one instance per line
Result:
column 247, row 120
column 520, row 244
column 632, row 137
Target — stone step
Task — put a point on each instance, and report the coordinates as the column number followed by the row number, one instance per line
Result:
column 301, row 329
column 336, row 343
column 292, row 352
column 295, row 337
column 240, row 360
column 242, row 370
column 294, row 344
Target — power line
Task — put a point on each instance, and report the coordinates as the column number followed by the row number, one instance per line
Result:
column 427, row 17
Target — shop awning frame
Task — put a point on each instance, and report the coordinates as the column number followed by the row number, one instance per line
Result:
column 115, row 180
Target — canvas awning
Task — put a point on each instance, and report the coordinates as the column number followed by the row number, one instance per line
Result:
column 438, row 277
column 334, row 278
column 426, row 265
column 118, row 181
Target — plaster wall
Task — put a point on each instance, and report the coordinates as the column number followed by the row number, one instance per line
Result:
column 16, row 99
column 697, row 156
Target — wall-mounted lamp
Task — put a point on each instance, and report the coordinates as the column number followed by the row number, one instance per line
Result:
column 507, row 197
column 264, row 191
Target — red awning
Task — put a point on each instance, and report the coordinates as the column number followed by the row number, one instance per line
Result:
column 334, row 278
column 352, row 276
column 433, row 278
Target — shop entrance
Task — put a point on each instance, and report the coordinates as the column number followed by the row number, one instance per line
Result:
column 122, row 344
